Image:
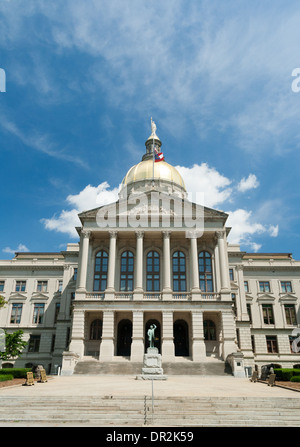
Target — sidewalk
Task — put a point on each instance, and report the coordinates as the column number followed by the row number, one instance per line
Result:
column 108, row 385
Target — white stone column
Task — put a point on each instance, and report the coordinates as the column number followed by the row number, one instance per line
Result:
column 84, row 260
column 194, row 267
column 77, row 337
column 166, row 263
column 137, row 346
column 107, row 342
column 167, row 348
column 139, row 261
column 224, row 273
column 229, row 333
column 112, row 261
column 198, row 347
column 242, row 305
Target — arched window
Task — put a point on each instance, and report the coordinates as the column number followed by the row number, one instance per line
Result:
column 205, row 272
column 209, row 328
column 96, row 330
column 153, row 271
column 179, row 272
column 127, row 270
column 100, row 274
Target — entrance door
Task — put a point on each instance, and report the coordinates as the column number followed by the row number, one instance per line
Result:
column 181, row 338
column 124, row 338
column 157, row 339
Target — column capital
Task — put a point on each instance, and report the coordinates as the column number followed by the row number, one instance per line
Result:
column 139, row 234
column 220, row 234
column 113, row 234
column 86, row 233
column 166, row 234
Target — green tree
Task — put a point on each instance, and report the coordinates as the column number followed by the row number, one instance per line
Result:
column 14, row 345
column 2, row 301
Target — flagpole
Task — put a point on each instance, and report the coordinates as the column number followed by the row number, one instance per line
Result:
column 152, row 156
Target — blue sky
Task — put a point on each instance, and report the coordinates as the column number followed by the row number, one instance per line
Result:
column 84, row 78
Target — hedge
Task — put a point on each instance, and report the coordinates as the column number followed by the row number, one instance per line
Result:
column 17, row 373
column 286, row 374
column 5, row 377
column 295, row 379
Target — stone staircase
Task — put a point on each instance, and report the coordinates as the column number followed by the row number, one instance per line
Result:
column 182, row 366
column 136, row 411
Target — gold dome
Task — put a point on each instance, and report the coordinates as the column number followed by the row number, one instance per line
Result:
column 162, row 171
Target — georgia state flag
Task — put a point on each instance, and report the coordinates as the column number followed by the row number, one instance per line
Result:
column 159, row 156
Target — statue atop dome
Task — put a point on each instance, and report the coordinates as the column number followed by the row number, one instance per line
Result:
column 153, row 128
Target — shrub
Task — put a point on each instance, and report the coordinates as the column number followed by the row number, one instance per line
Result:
column 17, row 373
column 5, row 377
column 286, row 374
column 295, row 379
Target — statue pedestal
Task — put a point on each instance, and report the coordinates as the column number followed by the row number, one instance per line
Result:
column 152, row 369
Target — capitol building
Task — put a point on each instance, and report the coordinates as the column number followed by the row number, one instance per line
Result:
column 152, row 258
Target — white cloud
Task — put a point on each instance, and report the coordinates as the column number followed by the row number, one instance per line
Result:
column 20, row 248
column 89, row 198
column 244, row 228
column 207, row 180
column 250, row 182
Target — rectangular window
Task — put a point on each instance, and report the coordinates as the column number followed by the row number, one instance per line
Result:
column 290, row 314
column 20, row 286
column 60, row 285
column 231, row 276
column 249, row 312
column 233, row 298
column 42, row 286
column 264, row 286
column 75, row 274
column 38, row 313
column 34, row 343
column 286, row 286
column 57, row 307
column 16, row 313
column 253, row 343
column 52, row 342
column 272, row 345
column 246, row 286
column 268, row 313
column 2, row 286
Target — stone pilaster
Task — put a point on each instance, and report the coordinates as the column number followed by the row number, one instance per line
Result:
column 85, row 240
column 77, row 337
column 168, row 351
column 137, row 346
column 112, row 262
column 166, row 265
column 107, row 343
column 198, row 347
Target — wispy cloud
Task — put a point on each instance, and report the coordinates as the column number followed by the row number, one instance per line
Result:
column 20, row 248
column 39, row 142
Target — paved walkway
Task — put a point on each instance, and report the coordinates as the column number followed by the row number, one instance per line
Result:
column 107, row 385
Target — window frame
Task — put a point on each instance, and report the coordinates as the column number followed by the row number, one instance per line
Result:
column 206, row 278
column 153, row 271
column 179, row 276
column 127, row 271
column 101, row 274
column 16, row 313
column 38, row 313
column 268, row 314
column 20, row 283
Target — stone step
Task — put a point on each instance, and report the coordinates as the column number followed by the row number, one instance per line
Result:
column 130, row 411
column 169, row 368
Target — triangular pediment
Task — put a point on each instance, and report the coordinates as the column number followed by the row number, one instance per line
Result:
column 17, row 296
column 266, row 297
column 39, row 296
column 154, row 204
column 288, row 297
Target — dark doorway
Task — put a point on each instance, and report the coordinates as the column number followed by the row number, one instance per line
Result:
column 157, row 341
column 181, row 338
column 124, row 338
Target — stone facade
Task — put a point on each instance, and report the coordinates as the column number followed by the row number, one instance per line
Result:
column 98, row 298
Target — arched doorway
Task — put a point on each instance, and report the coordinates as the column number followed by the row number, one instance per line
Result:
column 157, row 341
column 124, row 338
column 181, row 338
